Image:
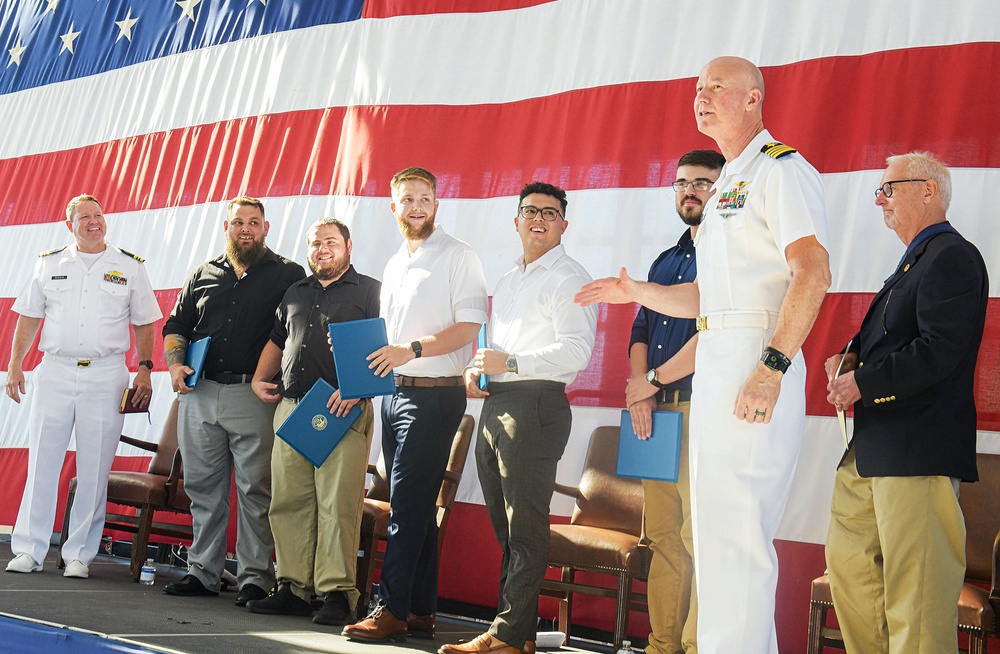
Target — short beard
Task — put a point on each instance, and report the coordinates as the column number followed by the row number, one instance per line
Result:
column 338, row 268
column 420, row 234
column 692, row 221
column 244, row 258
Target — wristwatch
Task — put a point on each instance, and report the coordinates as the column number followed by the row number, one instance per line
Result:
column 511, row 363
column 417, row 348
column 147, row 363
column 651, row 378
column 775, row 360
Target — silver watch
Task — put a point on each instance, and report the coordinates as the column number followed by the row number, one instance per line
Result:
column 512, row 363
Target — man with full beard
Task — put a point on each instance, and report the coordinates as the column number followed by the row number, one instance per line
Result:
column 433, row 301
column 661, row 357
column 222, row 426
column 316, row 512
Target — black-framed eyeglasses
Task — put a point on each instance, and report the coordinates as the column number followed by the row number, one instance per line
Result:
column 886, row 189
column 682, row 185
column 529, row 212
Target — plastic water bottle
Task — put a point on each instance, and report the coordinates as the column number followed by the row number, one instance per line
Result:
column 626, row 648
column 148, row 574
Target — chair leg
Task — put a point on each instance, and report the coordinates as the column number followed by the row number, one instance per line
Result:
column 566, row 604
column 365, row 572
column 623, row 607
column 143, row 527
column 65, row 528
column 977, row 642
column 817, row 618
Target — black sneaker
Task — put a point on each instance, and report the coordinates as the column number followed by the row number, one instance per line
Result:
column 250, row 592
column 188, row 586
column 284, row 602
column 335, row 610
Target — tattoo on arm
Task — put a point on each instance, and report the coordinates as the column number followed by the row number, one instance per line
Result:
column 174, row 349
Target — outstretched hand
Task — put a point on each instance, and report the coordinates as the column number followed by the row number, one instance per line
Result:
column 612, row 290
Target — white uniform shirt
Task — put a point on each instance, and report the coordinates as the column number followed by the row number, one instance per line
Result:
column 741, row 243
column 439, row 285
column 535, row 319
column 87, row 311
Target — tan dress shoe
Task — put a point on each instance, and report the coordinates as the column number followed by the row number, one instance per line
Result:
column 380, row 626
column 482, row 644
column 420, row 626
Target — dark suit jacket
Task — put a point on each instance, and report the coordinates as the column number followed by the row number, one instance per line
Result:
column 917, row 351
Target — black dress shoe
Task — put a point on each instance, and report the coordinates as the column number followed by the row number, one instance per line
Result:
column 188, row 586
column 250, row 592
column 335, row 610
column 284, row 602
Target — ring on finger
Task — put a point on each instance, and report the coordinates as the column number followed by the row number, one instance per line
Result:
column 760, row 413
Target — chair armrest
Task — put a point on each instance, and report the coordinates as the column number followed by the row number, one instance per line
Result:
column 572, row 491
column 175, row 469
column 372, row 469
column 453, row 477
column 135, row 442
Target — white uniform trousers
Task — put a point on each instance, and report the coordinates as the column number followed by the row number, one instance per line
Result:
column 741, row 476
column 66, row 395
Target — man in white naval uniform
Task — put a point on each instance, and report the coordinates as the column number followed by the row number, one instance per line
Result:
column 763, row 272
column 87, row 293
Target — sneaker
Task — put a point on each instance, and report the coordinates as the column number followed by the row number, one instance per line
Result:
column 23, row 563
column 284, row 602
column 335, row 610
column 249, row 593
column 78, row 569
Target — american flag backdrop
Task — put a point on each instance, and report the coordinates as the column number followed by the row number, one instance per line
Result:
column 166, row 109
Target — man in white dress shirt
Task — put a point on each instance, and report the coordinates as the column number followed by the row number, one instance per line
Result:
column 539, row 339
column 87, row 293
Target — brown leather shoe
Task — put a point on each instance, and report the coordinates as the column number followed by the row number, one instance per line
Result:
column 529, row 647
column 482, row 644
column 420, row 626
column 380, row 626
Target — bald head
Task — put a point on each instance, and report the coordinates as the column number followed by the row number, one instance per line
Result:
column 728, row 104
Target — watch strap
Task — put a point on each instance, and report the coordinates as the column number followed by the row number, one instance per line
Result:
column 146, row 362
column 775, row 360
column 417, row 348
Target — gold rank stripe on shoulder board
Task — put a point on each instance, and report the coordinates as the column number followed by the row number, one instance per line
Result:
column 52, row 251
column 776, row 150
column 134, row 256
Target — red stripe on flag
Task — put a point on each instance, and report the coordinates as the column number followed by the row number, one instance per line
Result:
column 624, row 136
column 390, row 8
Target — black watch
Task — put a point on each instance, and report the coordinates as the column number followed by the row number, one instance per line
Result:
column 651, row 378
column 775, row 360
column 148, row 363
column 417, row 348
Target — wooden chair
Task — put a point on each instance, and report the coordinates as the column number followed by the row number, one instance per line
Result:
column 978, row 608
column 375, row 520
column 161, row 488
column 604, row 535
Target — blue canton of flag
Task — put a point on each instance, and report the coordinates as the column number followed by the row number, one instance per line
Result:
column 48, row 41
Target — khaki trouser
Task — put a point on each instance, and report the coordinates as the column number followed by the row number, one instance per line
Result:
column 316, row 512
column 896, row 557
column 673, row 600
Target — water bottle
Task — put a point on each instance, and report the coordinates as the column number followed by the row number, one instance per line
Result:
column 148, row 574
column 626, row 648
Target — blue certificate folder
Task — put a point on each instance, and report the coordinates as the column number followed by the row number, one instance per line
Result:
column 482, row 342
column 197, row 352
column 311, row 429
column 659, row 456
column 352, row 342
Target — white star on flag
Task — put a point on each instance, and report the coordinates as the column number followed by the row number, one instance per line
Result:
column 52, row 6
column 263, row 2
column 125, row 26
column 15, row 54
column 68, row 39
column 187, row 8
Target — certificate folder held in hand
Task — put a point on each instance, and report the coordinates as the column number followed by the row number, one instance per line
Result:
column 659, row 456
column 197, row 352
column 311, row 430
column 352, row 342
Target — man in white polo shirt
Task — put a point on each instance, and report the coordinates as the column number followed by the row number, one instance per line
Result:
column 433, row 301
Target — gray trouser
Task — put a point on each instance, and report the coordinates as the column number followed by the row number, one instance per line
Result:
column 224, row 429
column 524, row 429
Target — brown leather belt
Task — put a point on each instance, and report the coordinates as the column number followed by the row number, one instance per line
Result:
column 427, row 382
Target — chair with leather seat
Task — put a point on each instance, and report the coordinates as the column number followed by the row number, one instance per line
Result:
column 979, row 602
column 605, row 535
column 375, row 519
column 160, row 488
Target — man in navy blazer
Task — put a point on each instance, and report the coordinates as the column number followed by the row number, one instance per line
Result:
column 896, row 547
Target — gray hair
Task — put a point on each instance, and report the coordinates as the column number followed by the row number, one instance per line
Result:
column 924, row 165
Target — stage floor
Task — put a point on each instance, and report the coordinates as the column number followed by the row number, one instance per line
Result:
column 109, row 603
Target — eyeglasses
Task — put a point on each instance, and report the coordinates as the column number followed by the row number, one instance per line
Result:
column 529, row 212
column 886, row 189
column 681, row 185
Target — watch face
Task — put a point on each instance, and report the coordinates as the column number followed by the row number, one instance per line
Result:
column 511, row 364
column 651, row 376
